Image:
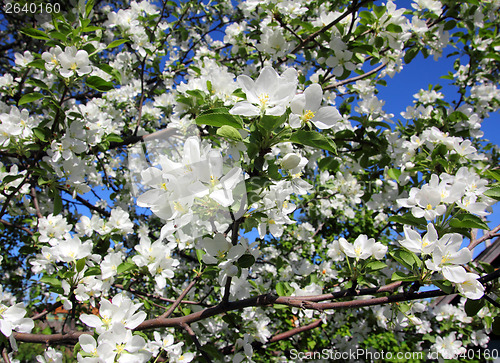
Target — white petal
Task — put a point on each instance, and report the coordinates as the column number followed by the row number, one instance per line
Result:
column 326, row 117
column 91, row 320
column 298, row 104
column 245, row 108
column 455, row 274
column 314, row 96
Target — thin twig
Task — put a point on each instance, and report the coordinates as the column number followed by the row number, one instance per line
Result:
column 357, row 78
column 152, row 296
column 490, row 234
column 6, row 223
column 48, row 310
column 181, row 296
column 324, row 29
column 196, row 342
column 5, row 355
column 35, row 203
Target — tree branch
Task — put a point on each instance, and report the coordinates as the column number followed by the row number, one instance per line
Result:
column 357, row 78
column 196, row 342
column 152, row 296
column 181, row 296
column 490, row 234
column 324, row 29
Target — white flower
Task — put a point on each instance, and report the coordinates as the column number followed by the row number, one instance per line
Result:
column 270, row 94
column 51, row 58
column 120, row 311
column 290, row 161
column 125, row 347
column 216, row 248
column 363, row 248
column 467, row 282
column 449, row 347
column 307, row 107
column 74, row 61
column 50, row 356
column 415, row 243
column 12, row 318
column 448, row 252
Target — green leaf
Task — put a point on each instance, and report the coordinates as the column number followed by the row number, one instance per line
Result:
column 280, row 288
column 51, row 280
column 41, row 133
column 468, row 221
column 57, row 203
column 99, row 84
column 116, row 43
column 329, row 163
column 37, row 63
column 246, row 261
column 213, row 351
column 269, row 123
column 229, row 132
column 80, row 264
column 410, row 54
column 408, row 219
column 404, row 257
column 401, row 276
column 125, row 266
column 37, row 83
column 93, row 271
column 375, row 266
column 219, row 119
column 394, row 174
column 10, row 178
column 493, row 193
column 113, row 138
column 445, row 286
column 473, row 306
column 314, row 139
column 30, row 97
column 35, row 33
column 199, row 256
column 394, row 28
column 88, row 7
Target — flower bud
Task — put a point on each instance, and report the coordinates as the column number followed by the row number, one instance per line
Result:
column 290, row 161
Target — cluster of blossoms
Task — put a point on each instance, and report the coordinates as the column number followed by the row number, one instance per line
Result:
column 116, row 342
column 446, row 257
column 465, row 188
column 68, row 63
column 195, row 140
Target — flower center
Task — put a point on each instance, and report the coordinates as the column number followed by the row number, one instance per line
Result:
column 307, row 116
column 263, row 99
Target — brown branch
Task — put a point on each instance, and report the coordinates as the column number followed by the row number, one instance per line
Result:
column 351, row 293
column 14, row 193
column 324, row 29
column 35, row 203
column 357, row 78
column 293, row 301
column 234, row 242
column 5, row 355
column 281, row 336
column 295, row 331
column 196, row 342
column 263, row 301
column 70, row 337
column 490, row 234
column 6, row 223
column 152, row 296
column 48, row 310
column 176, row 303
